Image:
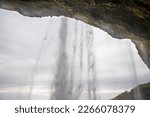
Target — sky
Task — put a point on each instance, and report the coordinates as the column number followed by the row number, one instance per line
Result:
column 30, row 48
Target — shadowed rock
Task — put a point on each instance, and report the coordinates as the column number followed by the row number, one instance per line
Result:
column 143, row 89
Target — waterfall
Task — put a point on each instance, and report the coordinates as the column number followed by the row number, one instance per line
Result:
column 37, row 62
column 137, row 92
column 63, row 58
column 68, row 85
column 75, row 75
column 61, row 82
column 91, row 65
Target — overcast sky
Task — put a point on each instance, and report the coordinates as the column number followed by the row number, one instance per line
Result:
column 23, row 39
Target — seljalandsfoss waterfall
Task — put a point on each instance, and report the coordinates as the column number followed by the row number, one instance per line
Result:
column 74, row 76
column 60, row 58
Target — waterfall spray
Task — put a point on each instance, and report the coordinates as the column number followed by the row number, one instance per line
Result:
column 91, row 65
column 37, row 61
column 137, row 93
column 61, row 89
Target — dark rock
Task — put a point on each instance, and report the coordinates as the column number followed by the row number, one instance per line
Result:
column 139, row 92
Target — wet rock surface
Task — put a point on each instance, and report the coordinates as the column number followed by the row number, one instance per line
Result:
column 142, row 90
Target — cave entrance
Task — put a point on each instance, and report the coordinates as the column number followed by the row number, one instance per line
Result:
column 62, row 58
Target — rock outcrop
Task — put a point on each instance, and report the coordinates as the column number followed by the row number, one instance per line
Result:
column 139, row 92
column 120, row 18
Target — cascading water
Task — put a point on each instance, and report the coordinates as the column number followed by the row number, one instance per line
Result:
column 62, row 58
column 37, row 62
column 67, row 84
column 137, row 92
column 79, row 60
column 62, row 89
column 91, row 65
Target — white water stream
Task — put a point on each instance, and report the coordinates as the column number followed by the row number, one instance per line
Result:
column 62, row 58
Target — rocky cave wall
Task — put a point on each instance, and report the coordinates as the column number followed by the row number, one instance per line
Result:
column 120, row 18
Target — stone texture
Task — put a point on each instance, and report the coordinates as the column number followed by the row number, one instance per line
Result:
column 139, row 92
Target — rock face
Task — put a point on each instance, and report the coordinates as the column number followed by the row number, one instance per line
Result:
column 143, row 90
column 120, row 18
